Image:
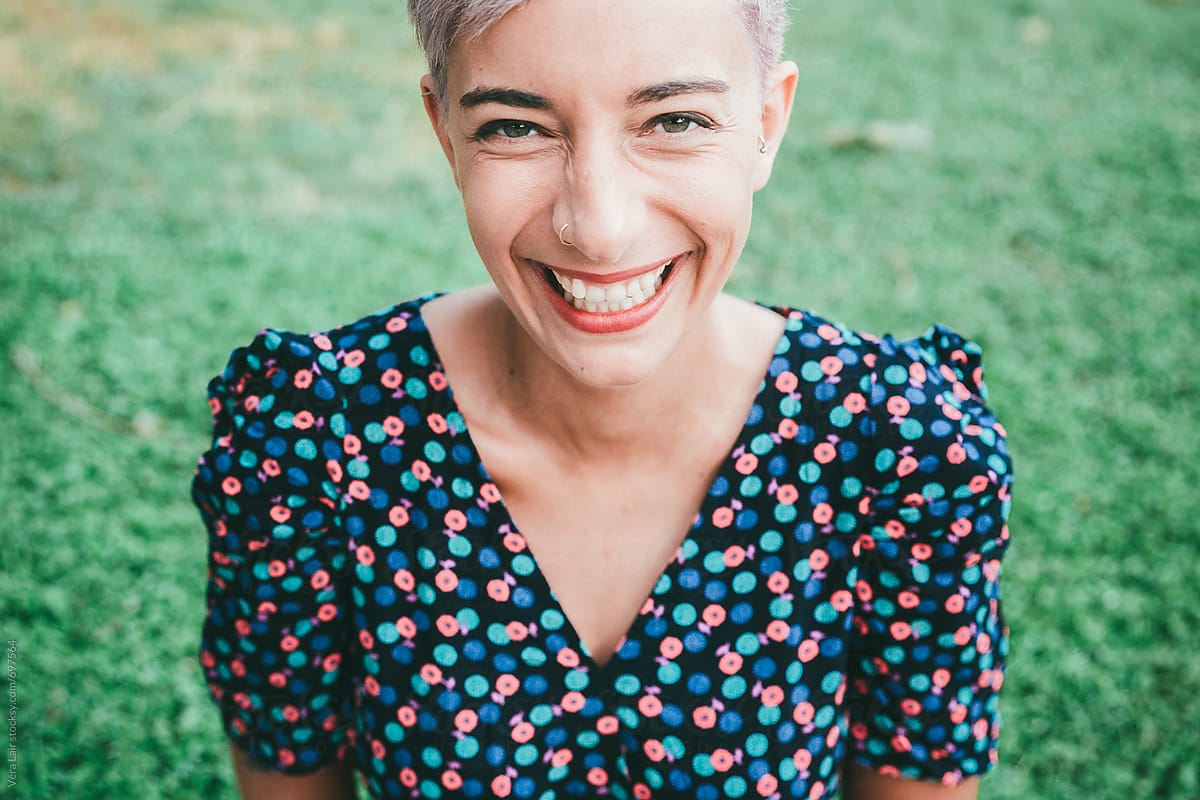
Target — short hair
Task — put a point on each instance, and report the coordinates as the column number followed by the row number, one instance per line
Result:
column 440, row 23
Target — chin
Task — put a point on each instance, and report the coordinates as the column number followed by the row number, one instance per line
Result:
column 620, row 368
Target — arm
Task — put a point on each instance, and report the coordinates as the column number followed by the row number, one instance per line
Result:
column 276, row 629
column 928, row 639
column 335, row 782
column 864, row 783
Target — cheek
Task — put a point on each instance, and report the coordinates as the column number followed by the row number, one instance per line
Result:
column 499, row 200
column 718, row 202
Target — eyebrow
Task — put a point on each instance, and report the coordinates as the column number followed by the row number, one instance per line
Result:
column 662, row 91
column 507, row 97
column 640, row 97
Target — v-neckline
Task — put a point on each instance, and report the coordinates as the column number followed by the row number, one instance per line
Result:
column 542, row 585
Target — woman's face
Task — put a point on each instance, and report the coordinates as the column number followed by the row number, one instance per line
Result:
column 636, row 125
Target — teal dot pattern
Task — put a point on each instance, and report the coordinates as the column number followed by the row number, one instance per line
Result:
column 836, row 598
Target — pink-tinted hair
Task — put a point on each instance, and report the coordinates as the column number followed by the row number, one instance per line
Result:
column 440, row 23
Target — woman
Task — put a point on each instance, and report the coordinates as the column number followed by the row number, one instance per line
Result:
column 658, row 541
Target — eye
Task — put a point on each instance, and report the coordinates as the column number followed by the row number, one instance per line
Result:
column 679, row 123
column 676, row 124
column 515, row 130
column 506, row 129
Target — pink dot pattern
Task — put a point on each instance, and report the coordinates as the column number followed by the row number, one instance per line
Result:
column 836, row 598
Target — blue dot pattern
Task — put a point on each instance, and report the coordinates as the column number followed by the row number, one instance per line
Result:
column 835, row 598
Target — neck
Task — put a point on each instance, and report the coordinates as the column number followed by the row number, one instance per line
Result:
column 621, row 425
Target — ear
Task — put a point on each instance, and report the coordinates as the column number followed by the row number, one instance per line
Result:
column 777, row 110
column 437, row 118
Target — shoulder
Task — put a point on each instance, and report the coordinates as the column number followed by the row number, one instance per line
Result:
column 309, row 374
column 938, row 369
column 940, row 473
column 938, row 355
column 919, row 405
column 931, row 404
column 820, row 350
column 283, row 411
column 939, row 360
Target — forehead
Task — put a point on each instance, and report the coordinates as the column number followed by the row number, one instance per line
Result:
column 586, row 46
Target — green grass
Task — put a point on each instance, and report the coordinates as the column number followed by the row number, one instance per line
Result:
column 174, row 176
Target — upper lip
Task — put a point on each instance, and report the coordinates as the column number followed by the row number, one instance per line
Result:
column 611, row 277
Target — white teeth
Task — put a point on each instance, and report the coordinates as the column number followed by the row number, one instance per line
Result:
column 597, row 298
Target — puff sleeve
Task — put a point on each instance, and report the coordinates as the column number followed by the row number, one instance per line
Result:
column 928, row 640
column 275, row 634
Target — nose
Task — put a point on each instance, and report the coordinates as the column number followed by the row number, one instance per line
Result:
column 602, row 199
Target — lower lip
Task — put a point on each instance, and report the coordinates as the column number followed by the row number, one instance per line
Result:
column 614, row 321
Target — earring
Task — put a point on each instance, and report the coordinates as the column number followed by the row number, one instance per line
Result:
column 563, row 230
column 762, row 144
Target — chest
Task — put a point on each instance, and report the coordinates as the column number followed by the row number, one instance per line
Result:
column 601, row 539
column 483, row 610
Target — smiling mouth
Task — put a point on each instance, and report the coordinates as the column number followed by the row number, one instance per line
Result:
column 610, row 298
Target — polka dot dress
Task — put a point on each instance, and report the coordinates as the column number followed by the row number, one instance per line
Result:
column 835, row 598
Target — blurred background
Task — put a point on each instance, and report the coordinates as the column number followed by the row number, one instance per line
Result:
column 176, row 174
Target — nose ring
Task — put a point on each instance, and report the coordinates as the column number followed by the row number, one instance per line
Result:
column 563, row 230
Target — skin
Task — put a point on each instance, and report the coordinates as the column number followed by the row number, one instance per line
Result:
column 657, row 160
column 632, row 193
column 335, row 782
column 655, row 156
column 863, row 783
